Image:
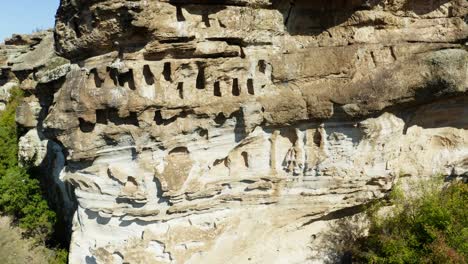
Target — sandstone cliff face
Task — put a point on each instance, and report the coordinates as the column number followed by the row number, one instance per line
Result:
column 200, row 131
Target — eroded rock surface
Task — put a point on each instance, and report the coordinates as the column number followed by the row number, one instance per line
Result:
column 30, row 63
column 222, row 131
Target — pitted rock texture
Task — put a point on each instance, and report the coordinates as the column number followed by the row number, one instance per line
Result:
column 200, row 131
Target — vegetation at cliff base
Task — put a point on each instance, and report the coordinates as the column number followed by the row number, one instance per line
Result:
column 430, row 227
column 20, row 194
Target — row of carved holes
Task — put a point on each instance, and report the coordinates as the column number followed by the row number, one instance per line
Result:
column 236, row 91
column 118, row 78
column 105, row 116
column 127, row 78
column 111, row 115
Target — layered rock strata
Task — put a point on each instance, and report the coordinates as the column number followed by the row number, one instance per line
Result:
column 228, row 131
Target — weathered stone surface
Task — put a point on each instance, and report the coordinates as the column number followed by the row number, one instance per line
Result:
column 200, row 131
column 30, row 63
column 28, row 112
column 41, row 54
column 5, row 93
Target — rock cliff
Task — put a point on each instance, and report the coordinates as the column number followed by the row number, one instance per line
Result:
column 202, row 131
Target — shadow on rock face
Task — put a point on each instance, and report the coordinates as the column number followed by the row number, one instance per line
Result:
column 83, row 28
column 421, row 7
column 313, row 17
column 90, row 260
column 450, row 112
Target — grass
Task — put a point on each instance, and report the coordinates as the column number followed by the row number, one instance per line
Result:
column 15, row 249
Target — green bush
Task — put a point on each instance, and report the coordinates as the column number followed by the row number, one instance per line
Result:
column 8, row 134
column 431, row 227
column 61, row 257
column 20, row 194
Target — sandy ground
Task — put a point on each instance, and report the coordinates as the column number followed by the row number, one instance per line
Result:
column 15, row 250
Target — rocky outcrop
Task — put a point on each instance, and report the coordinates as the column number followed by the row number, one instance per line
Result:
column 228, row 131
column 30, row 62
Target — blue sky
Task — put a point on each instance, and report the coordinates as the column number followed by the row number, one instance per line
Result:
column 24, row 16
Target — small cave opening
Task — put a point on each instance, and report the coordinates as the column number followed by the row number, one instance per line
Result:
column 132, row 119
column 217, row 89
column 95, row 75
column 262, row 66
column 76, row 27
column 127, row 78
column 317, row 138
column 114, row 75
column 200, row 84
column 206, row 20
column 167, row 71
column 179, row 14
column 218, row 161
column 245, row 157
column 235, row 87
column 179, row 150
column 101, row 116
column 85, row 126
column 220, row 119
column 203, row 132
column 132, row 180
column 104, row 116
column 250, row 86
column 158, row 118
column 290, row 134
column 180, row 88
column 148, row 75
